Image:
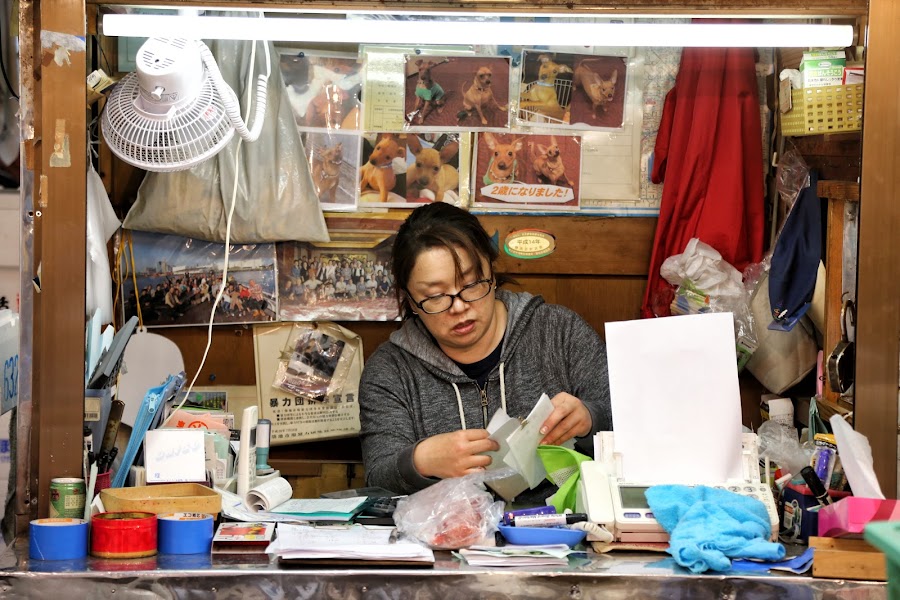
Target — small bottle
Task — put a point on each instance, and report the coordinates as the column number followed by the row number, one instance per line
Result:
column 263, row 438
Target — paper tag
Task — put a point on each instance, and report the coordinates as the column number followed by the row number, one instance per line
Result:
column 92, row 406
column 784, row 95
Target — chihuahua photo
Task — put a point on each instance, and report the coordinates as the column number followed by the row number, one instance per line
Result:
column 431, row 170
column 326, row 169
column 547, row 163
column 377, row 174
column 598, row 88
column 541, row 96
column 479, row 96
column 504, row 158
column 455, row 93
column 429, row 93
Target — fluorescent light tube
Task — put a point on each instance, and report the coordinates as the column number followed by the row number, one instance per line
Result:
column 441, row 32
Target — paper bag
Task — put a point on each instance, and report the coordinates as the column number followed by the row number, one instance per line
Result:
column 301, row 419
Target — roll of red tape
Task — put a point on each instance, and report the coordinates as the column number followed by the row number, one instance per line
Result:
column 123, row 535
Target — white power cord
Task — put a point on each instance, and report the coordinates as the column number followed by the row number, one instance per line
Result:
column 257, row 126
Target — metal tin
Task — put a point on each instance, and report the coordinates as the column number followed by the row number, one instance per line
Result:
column 67, row 497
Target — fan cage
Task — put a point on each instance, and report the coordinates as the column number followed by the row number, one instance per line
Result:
column 190, row 135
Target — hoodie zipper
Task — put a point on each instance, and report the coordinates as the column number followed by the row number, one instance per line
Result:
column 484, row 403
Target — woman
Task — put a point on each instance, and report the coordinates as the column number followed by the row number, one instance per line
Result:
column 465, row 350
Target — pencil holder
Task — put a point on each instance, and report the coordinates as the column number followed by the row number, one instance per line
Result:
column 103, row 480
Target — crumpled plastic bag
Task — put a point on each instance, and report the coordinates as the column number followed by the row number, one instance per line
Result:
column 453, row 513
column 702, row 265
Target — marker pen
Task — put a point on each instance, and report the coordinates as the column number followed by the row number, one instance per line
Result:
column 508, row 516
column 548, row 520
column 815, row 485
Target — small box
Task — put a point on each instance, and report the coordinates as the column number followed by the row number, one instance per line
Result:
column 163, row 498
column 823, row 68
column 849, row 517
column 800, row 512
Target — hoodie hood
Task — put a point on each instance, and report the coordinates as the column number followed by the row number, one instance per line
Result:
column 413, row 337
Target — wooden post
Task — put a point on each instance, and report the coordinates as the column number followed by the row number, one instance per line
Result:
column 60, row 226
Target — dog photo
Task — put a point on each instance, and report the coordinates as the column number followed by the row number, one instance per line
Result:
column 333, row 163
column 432, row 168
column 457, row 93
column 598, row 91
column 527, row 172
column 324, row 89
column 578, row 90
column 382, row 170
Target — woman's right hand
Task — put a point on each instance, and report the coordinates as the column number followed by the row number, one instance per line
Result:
column 454, row 454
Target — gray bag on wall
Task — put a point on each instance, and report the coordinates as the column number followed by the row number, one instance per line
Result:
column 276, row 199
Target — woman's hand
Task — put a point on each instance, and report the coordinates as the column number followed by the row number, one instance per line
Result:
column 570, row 418
column 453, row 454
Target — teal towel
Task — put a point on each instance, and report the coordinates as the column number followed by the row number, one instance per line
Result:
column 707, row 526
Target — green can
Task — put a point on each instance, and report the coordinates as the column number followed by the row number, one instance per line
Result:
column 67, row 497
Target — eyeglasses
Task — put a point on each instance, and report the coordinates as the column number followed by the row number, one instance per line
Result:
column 442, row 302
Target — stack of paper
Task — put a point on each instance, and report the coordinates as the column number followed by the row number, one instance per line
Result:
column 516, row 556
column 355, row 542
column 321, row 509
column 518, row 450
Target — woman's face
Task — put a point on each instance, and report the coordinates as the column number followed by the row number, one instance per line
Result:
column 465, row 325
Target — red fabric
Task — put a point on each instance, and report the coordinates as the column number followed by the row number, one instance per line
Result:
column 709, row 152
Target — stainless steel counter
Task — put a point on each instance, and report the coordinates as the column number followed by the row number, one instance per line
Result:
column 623, row 576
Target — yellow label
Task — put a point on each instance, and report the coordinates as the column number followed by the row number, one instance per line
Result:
column 530, row 243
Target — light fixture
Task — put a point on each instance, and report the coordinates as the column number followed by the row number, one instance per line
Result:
column 175, row 110
column 444, row 31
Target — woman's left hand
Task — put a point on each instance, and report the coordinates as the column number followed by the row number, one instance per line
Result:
column 570, row 418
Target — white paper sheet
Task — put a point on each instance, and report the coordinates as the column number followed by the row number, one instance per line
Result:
column 354, row 542
column 172, row 455
column 675, row 398
column 856, row 457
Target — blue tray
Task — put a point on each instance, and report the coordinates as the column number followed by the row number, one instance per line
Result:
column 531, row 536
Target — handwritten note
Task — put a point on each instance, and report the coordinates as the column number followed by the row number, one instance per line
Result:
column 174, row 455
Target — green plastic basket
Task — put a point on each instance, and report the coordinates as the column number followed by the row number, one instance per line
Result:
column 885, row 535
column 831, row 109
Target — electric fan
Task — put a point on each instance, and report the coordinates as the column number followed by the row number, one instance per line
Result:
column 176, row 110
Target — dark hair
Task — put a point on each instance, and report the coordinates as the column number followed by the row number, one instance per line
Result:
column 440, row 225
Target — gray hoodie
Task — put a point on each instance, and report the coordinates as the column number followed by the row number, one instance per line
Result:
column 410, row 390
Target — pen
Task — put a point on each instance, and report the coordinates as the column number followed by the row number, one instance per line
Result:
column 548, row 520
column 815, row 485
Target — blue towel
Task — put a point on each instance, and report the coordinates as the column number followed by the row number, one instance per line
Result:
column 707, row 526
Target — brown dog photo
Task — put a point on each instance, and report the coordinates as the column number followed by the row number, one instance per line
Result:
column 382, row 171
column 454, row 93
column 432, row 172
column 527, row 172
column 333, row 163
column 598, row 91
column 324, row 90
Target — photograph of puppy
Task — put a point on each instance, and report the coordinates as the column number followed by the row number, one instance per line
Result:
column 500, row 155
column 382, row 173
column 546, row 88
column 333, row 160
column 527, row 172
column 456, row 93
column 432, row 173
column 324, row 91
column 599, row 91
column 548, row 164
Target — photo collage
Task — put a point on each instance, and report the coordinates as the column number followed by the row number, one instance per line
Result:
column 415, row 127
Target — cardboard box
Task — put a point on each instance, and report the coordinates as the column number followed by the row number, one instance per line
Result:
column 821, row 69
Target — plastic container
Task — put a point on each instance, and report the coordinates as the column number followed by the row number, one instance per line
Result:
column 885, row 535
column 163, row 498
column 831, row 109
column 530, row 536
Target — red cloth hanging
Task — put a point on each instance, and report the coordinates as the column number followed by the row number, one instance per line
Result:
column 709, row 152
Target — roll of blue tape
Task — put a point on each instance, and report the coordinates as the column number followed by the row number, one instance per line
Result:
column 57, row 539
column 185, row 533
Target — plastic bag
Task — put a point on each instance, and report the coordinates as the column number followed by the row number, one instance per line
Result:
column 781, row 445
column 276, row 199
column 453, row 513
column 315, row 360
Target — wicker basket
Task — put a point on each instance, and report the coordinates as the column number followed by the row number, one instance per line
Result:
column 832, row 109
